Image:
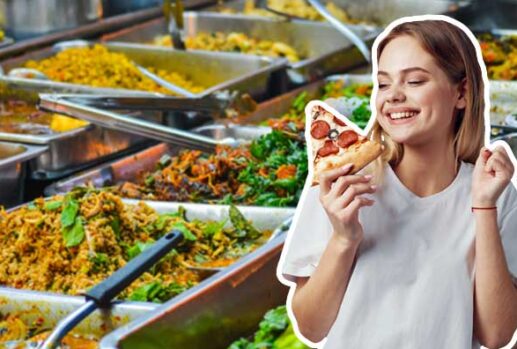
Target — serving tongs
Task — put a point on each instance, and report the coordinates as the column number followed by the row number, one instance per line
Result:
column 343, row 28
column 209, row 271
column 89, row 108
column 173, row 13
column 101, row 295
column 340, row 26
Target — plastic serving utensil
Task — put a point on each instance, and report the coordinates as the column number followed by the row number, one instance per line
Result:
column 101, row 295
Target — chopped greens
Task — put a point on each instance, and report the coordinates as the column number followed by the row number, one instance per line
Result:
column 275, row 332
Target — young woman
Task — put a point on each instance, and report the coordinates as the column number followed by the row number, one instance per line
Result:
column 423, row 259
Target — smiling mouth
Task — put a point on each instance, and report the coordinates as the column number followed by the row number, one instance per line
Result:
column 402, row 115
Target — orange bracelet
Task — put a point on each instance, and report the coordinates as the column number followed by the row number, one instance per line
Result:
column 484, row 208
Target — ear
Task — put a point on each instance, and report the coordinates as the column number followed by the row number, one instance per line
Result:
column 461, row 103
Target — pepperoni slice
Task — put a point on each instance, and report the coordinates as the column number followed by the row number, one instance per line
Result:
column 328, row 148
column 319, row 129
column 339, row 122
column 347, row 138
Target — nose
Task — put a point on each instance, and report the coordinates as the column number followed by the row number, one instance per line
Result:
column 395, row 94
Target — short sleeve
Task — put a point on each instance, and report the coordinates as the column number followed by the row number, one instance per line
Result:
column 508, row 227
column 307, row 238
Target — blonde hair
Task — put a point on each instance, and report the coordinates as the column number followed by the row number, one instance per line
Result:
column 455, row 54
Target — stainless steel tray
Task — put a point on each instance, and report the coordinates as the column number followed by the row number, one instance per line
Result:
column 262, row 219
column 503, row 97
column 73, row 150
column 51, row 308
column 380, row 12
column 323, row 57
column 213, row 316
column 214, row 70
column 14, row 159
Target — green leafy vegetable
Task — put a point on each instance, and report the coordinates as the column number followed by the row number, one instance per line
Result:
column 156, row 292
column 138, row 248
column 70, row 210
column 52, row 205
column 74, row 235
column 187, row 234
column 275, row 332
column 243, row 228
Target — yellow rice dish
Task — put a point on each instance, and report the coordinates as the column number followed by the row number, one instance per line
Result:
column 67, row 244
column 96, row 66
column 234, row 42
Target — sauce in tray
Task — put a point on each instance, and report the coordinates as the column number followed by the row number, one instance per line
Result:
column 24, row 118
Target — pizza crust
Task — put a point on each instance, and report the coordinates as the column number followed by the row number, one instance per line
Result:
column 359, row 155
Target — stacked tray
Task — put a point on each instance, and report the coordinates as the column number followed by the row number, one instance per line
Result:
column 14, row 160
column 318, row 57
column 69, row 150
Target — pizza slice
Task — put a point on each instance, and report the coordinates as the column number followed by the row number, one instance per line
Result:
column 335, row 144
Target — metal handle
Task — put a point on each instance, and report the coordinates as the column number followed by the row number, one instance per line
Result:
column 356, row 40
column 102, row 294
column 59, row 104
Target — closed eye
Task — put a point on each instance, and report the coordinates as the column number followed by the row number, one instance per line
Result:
column 415, row 82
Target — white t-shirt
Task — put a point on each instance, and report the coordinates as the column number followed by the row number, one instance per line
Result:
column 412, row 286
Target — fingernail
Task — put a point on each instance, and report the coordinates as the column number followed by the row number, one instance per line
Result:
column 368, row 176
column 347, row 167
column 373, row 187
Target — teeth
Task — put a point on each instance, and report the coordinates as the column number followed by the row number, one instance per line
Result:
column 401, row 115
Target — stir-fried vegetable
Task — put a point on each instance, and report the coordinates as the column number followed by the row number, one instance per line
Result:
column 269, row 172
column 500, row 56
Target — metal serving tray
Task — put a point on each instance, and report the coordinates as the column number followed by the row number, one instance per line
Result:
column 214, row 70
column 14, row 158
column 30, row 305
column 72, row 150
column 275, row 219
column 323, row 57
column 503, row 97
column 214, row 316
column 381, row 12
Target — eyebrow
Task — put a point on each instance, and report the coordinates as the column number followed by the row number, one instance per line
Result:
column 405, row 71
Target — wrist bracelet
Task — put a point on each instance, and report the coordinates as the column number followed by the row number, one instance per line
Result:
column 484, row 208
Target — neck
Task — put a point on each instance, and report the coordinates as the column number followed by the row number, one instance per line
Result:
column 427, row 169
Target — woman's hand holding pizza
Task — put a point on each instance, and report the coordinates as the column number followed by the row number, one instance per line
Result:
column 340, row 196
column 492, row 174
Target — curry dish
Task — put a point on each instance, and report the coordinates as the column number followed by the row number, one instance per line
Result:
column 67, row 244
column 25, row 118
